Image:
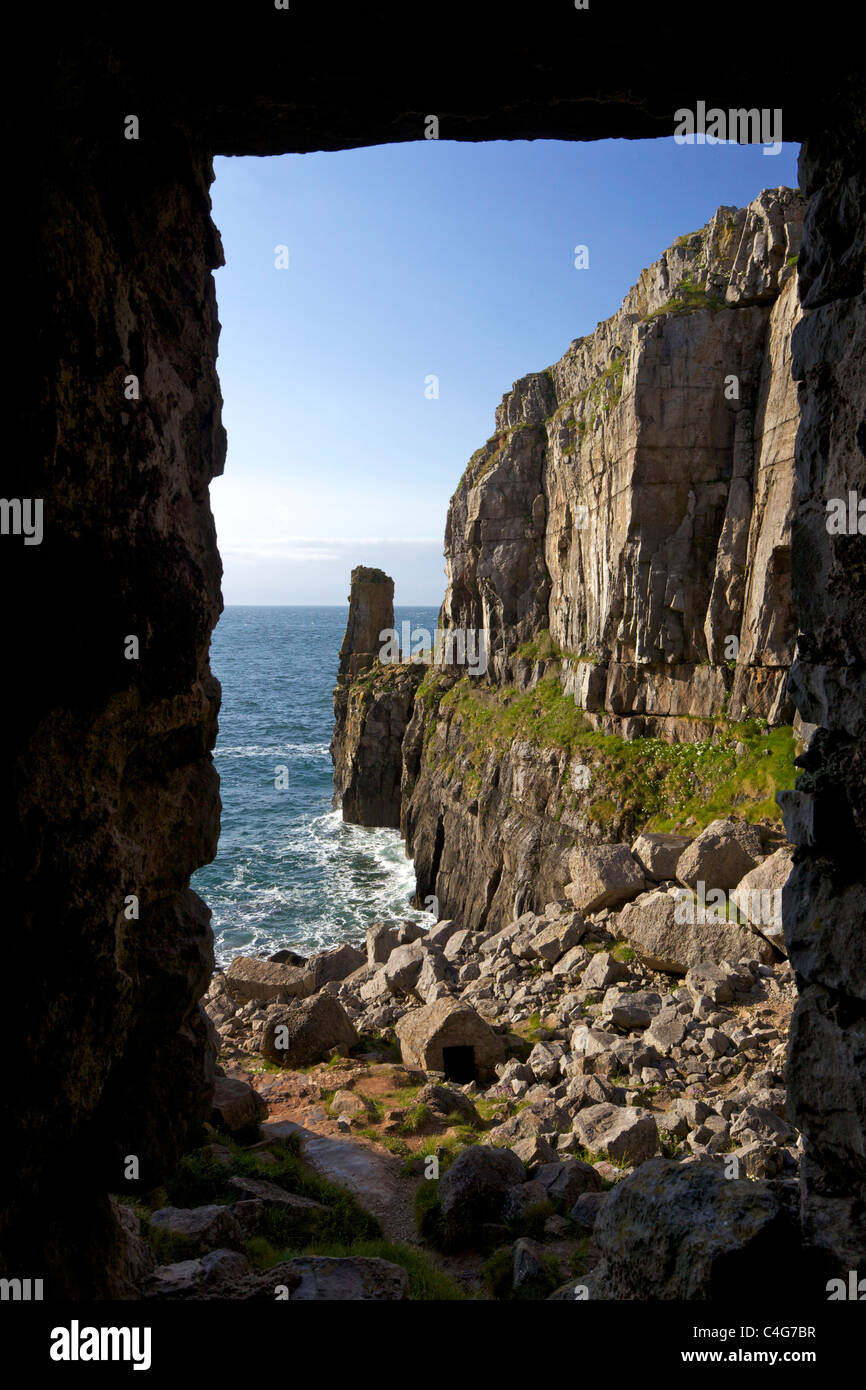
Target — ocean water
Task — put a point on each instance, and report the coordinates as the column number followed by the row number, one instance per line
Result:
column 288, row 871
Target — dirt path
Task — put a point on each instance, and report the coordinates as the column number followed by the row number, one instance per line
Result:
column 369, row 1174
column 364, row 1168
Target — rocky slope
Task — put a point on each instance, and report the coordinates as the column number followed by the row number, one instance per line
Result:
column 614, row 1047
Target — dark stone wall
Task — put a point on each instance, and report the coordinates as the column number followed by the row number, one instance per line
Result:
column 824, row 902
column 107, row 786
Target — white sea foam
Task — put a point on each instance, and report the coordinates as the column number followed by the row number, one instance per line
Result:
column 289, row 871
column 365, row 875
column 273, row 750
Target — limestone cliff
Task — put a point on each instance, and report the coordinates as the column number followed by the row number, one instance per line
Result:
column 624, row 538
column 635, row 499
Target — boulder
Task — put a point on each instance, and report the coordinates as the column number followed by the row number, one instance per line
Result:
column 251, row 1215
column 533, row 1151
column 541, row 1117
column 666, row 1031
column 375, row 989
column 442, row 1101
column 528, row 1268
column 409, row 931
column 457, row 943
column 237, row 1106
column 267, row 981
column 603, row 970
column 560, row 936
column 685, row 1231
column 207, row 1228
column 603, row 876
column 348, row 1103
column 758, row 895
column 758, row 1159
column 134, row 1259
column 442, row 933
column 755, row 1122
column 494, row 943
column 524, row 1199
column 543, row 1062
column 381, row 941
column 436, row 976
column 336, row 964
column 588, row 1042
column 403, row 967
column 304, row 1032
column 721, row 855
column 515, row 1070
column 565, row 1182
column 473, row 1191
column 572, row 963
column 586, row 1209
column 287, row 957
column 583, row 1091
column 661, row 942
column 323, row 1278
column 619, row 1132
column 719, row 982
column 659, row 854
column 630, row 1011
column 449, row 1036
column 220, row 1274
column 684, row 1114
column 301, row 1215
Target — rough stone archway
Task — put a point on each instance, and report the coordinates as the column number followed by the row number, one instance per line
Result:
column 108, row 787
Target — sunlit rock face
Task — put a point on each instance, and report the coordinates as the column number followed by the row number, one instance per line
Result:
column 636, row 499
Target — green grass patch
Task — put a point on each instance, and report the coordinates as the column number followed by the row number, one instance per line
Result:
column 622, row 953
column 201, row 1180
column 688, row 296
column 415, row 1120
column 642, row 783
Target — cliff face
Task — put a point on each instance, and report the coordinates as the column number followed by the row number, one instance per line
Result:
column 624, row 538
column 636, row 499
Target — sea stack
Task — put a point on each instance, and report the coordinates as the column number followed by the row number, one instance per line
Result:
column 370, row 717
column 371, row 611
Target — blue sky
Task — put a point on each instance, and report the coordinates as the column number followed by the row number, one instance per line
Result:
column 407, row 261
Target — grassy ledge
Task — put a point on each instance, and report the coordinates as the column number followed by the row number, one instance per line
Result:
column 638, row 783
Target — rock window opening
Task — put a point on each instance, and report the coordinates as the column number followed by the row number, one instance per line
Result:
column 459, row 1064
